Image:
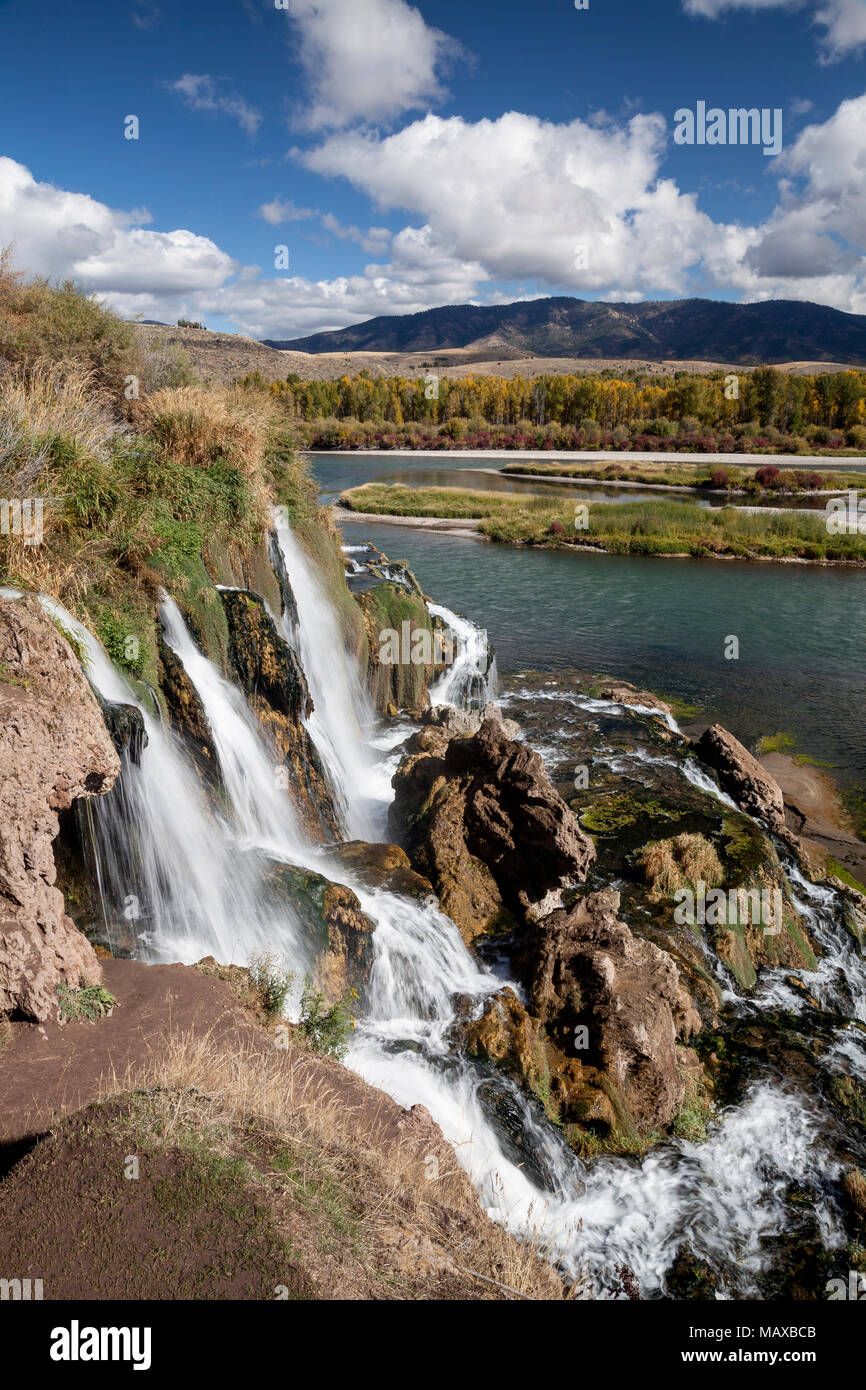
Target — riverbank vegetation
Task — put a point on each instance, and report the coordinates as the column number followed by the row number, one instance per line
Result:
column 656, row 527
column 765, row 481
column 763, row 411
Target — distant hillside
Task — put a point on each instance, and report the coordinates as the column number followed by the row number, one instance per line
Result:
column 777, row 331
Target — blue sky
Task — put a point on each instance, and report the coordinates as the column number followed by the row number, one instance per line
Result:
column 412, row 155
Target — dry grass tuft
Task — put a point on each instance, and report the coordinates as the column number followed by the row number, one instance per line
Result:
column 41, row 407
column 680, row 862
column 198, row 427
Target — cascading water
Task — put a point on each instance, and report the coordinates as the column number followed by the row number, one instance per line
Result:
column 343, row 717
column 470, row 681
column 263, row 813
column 182, row 884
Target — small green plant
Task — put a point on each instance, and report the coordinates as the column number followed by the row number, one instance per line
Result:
column 775, row 743
column 86, row 1004
column 271, row 980
column 123, row 646
column 326, row 1029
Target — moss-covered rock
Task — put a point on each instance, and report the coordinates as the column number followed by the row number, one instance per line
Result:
column 183, row 573
column 402, row 684
column 334, row 923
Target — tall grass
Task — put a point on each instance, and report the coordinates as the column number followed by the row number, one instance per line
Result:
column 197, row 428
column 648, row 527
column 127, row 510
column 45, row 409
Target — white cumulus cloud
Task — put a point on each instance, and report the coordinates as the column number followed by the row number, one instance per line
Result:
column 57, row 233
column 368, row 60
column 522, row 196
column 281, row 210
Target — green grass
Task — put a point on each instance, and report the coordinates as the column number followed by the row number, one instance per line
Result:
column 839, row 870
column 648, row 527
column 775, row 743
column 396, row 499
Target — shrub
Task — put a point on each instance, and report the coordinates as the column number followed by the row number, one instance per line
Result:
column 680, row 862
column 43, row 322
column 271, row 980
column 165, row 367
column 327, row 1030
column 769, row 477
column 720, row 478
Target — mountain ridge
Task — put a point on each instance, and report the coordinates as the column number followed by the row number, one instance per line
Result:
column 770, row 331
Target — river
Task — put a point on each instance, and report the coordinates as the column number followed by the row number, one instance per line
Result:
column 660, row 623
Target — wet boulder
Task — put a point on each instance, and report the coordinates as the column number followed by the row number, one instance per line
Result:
column 333, row 923
column 381, row 866
column 271, row 677
column 742, row 776
column 186, row 714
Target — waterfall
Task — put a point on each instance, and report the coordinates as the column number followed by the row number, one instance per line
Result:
column 203, row 881
column 251, row 772
column 470, row 681
column 343, row 716
column 179, row 877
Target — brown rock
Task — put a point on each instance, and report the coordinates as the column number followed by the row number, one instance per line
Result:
column 742, row 776
column 507, row 1035
column 481, row 819
column 585, row 969
column 382, row 866
column 54, row 748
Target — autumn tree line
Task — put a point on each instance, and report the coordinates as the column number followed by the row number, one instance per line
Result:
column 762, row 409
